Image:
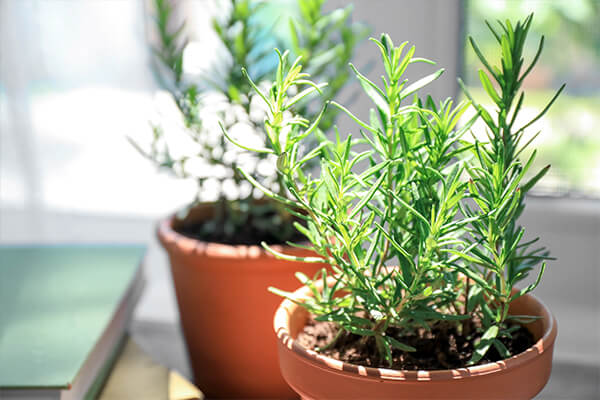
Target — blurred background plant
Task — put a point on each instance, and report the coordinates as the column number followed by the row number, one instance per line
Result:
column 569, row 140
column 217, row 92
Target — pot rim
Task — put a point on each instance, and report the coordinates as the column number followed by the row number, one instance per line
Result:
column 175, row 241
column 287, row 307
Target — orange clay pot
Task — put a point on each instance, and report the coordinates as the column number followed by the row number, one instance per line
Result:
column 315, row 376
column 226, row 310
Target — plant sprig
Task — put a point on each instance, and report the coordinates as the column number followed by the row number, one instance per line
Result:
column 497, row 185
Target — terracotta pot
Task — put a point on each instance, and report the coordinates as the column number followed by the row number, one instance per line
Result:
column 315, row 376
column 226, row 310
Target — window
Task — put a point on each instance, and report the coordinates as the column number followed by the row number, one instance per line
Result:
column 74, row 83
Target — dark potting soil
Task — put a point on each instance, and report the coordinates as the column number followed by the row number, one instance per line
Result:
column 247, row 234
column 443, row 347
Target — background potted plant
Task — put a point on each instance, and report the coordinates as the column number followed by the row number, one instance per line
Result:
column 424, row 243
column 220, row 273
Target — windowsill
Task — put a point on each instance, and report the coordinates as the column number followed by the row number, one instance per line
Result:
column 571, row 285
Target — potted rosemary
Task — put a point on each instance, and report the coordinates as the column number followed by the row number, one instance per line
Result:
column 220, row 272
column 424, row 244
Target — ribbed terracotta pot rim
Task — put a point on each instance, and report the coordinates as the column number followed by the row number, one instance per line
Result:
column 287, row 307
column 175, row 241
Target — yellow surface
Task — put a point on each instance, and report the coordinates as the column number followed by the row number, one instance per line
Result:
column 137, row 376
column 181, row 389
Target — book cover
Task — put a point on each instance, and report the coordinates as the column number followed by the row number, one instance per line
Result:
column 56, row 304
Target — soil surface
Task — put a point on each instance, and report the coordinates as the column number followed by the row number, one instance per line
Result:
column 245, row 234
column 441, row 348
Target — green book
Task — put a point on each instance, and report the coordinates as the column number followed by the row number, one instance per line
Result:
column 63, row 314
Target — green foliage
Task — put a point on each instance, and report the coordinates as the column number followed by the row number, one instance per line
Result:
column 248, row 40
column 325, row 41
column 497, row 184
column 430, row 209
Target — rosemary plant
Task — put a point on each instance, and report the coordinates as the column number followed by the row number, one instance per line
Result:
column 428, row 231
column 223, row 92
column 498, row 256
